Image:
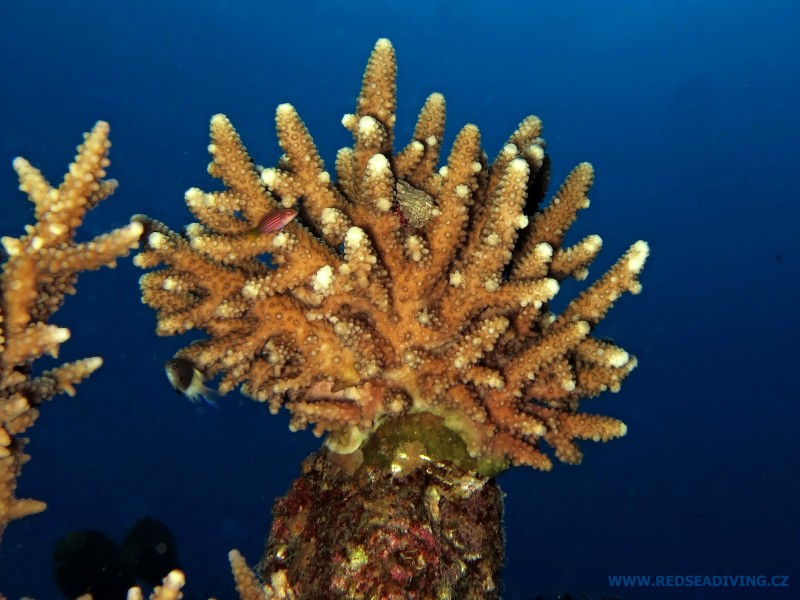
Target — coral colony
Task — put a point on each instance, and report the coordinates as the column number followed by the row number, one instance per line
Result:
column 403, row 313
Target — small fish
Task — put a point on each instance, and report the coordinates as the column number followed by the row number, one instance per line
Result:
column 187, row 379
column 276, row 219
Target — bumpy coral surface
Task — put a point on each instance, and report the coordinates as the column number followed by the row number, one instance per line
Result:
column 400, row 287
column 41, row 269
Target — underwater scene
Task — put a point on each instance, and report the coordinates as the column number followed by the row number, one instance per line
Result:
column 425, row 300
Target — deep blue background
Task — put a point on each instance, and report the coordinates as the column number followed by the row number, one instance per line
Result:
column 689, row 114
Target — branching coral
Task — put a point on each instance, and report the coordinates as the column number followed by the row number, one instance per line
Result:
column 401, row 287
column 247, row 585
column 42, row 267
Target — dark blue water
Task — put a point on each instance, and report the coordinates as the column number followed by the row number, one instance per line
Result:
column 688, row 113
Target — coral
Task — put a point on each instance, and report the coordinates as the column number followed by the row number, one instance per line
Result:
column 41, row 268
column 170, row 589
column 402, row 312
column 401, row 287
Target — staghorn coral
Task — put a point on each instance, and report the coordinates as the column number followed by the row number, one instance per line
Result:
column 401, row 287
column 41, row 268
column 247, row 585
column 402, row 313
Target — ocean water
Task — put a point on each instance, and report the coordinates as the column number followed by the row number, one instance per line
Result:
column 689, row 113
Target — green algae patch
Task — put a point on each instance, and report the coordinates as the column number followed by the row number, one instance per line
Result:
column 404, row 443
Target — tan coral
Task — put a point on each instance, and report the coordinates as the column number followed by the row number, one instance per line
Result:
column 170, row 588
column 401, row 286
column 248, row 587
column 42, row 268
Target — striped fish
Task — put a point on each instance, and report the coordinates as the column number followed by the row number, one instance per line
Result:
column 276, row 219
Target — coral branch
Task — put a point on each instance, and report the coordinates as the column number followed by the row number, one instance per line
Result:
column 41, row 268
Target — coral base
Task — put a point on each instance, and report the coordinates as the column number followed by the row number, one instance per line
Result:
column 419, row 529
